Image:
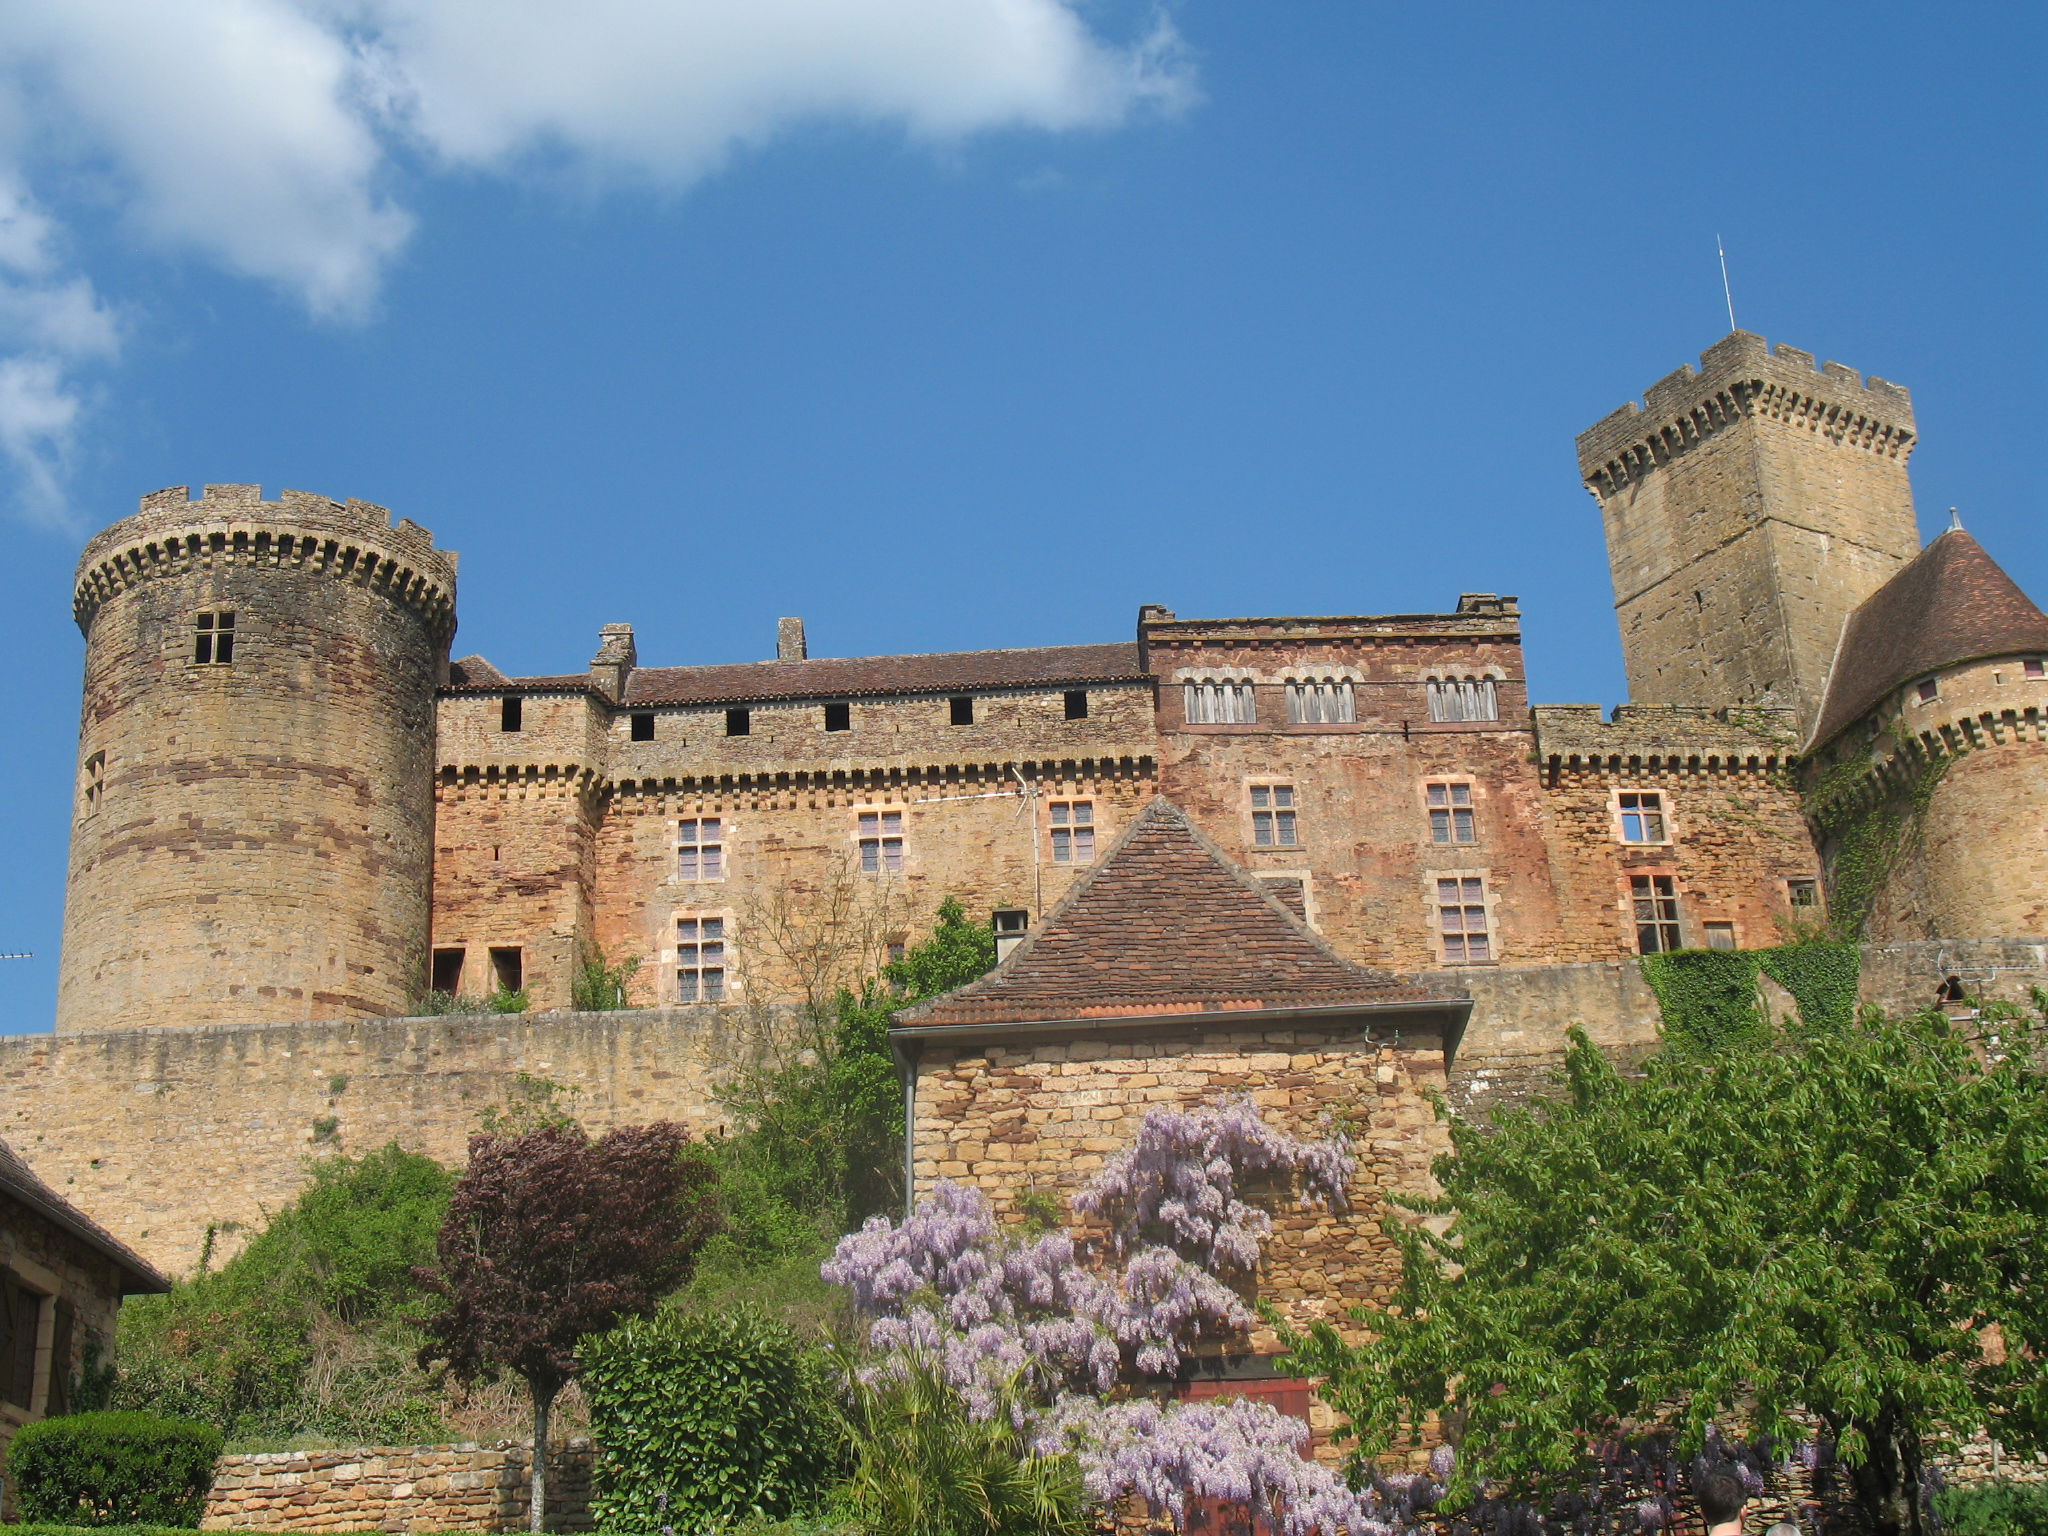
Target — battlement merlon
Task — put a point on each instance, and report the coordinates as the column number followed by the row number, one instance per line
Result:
column 1735, row 373
column 1665, row 734
column 234, row 522
column 1480, row 615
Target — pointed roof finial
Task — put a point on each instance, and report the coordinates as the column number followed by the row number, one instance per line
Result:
column 1955, row 520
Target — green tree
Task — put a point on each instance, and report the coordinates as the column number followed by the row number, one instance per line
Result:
column 1835, row 1220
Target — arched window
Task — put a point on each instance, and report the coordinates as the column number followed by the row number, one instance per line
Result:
column 1226, row 701
column 1462, row 698
column 1320, row 701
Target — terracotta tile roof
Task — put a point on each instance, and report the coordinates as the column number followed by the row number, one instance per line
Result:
column 1165, row 924
column 841, row 677
column 19, row 1180
column 1952, row 603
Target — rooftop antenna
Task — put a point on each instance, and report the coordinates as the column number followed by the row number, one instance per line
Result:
column 1726, row 292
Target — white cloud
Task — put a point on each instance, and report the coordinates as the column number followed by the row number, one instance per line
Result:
column 259, row 135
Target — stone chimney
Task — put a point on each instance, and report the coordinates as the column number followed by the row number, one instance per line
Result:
column 789, row 640
column 614, row 662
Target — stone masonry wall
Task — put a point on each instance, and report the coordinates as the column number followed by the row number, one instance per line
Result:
column 162, row 1134
column 1014, row 1117
column 398, row 1488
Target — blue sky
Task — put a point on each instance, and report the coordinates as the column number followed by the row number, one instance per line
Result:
column 962, row 323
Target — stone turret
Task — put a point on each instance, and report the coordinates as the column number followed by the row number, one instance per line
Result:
column 253, row 833
column 1750, row 506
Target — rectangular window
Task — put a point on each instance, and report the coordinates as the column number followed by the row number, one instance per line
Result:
column 643, row 727
column 213, row 639
column 448, row 970
column 21, row 1317
column 1642, row 817
column 739, row 722
column 1073, row 831
column 1320, row 702
column 1450, row 814
column 511, row 713
column 700, row 848
column 2034, row 666
column 1720, row 935
column 1227, row 703
column 1655, row 898
column 881, row 842
column 508, row 969
column 700, row 959
column 1803, row 893
column 838, row 717
column 1927, row 690
column 1461, row 918
column 1273, row 823
column 1077, row 703
column 962, row 711
column 92, row 783
column 1462, row 698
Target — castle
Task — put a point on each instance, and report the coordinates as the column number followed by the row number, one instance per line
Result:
column 297, row 814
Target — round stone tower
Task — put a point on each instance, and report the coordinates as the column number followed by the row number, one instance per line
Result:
column 253, row 829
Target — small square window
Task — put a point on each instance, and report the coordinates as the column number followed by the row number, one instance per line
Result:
column 213, row 639
column 700, row 959
column 1450, row 814
column 880, row 837
column 511, row 713
column 1642, row 817
column 2034, row 666
column 963, row 711
column 643, row 727
column 1803, row 893
column 700, row 848
column 1073, row 831
column 838, row 717
column 739, row 722
column 1077, row 703
column 1927, row 690
column 1273, row 822
column 1720, row 935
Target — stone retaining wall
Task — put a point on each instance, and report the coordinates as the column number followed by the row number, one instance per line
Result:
column 402, row 1488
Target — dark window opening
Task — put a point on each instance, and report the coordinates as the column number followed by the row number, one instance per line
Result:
column 21, row 1316
column 1950, row 991
column 511, row 713
column 508, row 969
column 1928, row 690
column 963, row 711
column 213, row 639
column 62, row 1337
column 1077, row 703
column 739, row 722
column 448, row 970
column 643, row 727
column 1655, row 899
column 838, row 717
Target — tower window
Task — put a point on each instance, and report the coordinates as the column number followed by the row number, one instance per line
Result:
column 1222, row 703
column 2034, row 666
column 1461, row 918
column 1927, row 690
column 739, row 722
column 1462, row 698
column 92, row 783
column 838, row 717
column 1642, row 817
column 962, row 711
column 508, row 969
column 1273, row 824
column 881, row 842
column 512, row 713
column 213, row 639
column 643, row 727
column 1077, row 703
column 1450, row 814
column 1073, row 831
column 700, row 848
column 1655, row 899
column 1320, row 701
column 700, row 959
column 448, row 971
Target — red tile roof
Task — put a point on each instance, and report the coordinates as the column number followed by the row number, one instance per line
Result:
column 1952, row 603
column 18, row 1180
column 1164, row 925
column 841, row 677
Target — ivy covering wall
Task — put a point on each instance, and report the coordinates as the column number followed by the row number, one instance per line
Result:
column 1713, row 998
column 1866, row 830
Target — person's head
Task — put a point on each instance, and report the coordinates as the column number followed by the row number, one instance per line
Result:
column 1721, row 1497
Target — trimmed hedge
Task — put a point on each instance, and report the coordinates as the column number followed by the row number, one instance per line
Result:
column 113, row 1469
column 1995, row 1509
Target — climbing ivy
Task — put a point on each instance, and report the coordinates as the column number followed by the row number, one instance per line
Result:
column 1709, row 998
column 1867, row 831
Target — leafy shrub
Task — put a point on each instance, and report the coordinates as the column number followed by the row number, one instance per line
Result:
column 1995, row 1509
column 506, row 1000
column 600, row 985
column 702, row 1420
column 113, row 1469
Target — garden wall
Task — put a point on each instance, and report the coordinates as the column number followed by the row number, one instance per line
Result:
column 402, row 1488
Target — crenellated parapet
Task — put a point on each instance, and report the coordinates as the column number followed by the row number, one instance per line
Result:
column 231, row 526
column 1742, row 377
column 1664, row 737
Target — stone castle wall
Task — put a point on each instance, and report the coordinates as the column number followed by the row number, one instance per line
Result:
column 162, row 1134
column 398, row 1488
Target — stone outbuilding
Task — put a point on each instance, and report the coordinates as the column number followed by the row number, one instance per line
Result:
column 1169, row 976
column 62, row 1277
